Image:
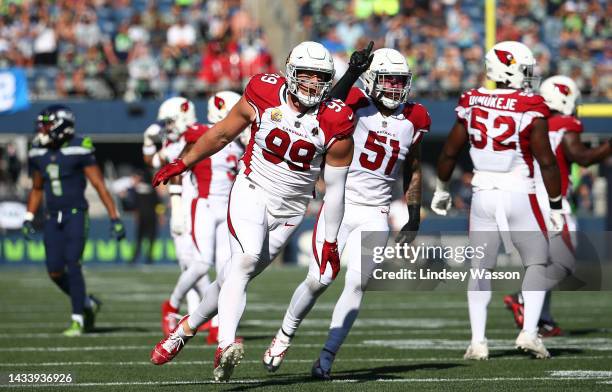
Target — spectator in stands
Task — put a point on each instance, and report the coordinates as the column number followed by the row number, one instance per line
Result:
column 143, row 74
column 181, row 34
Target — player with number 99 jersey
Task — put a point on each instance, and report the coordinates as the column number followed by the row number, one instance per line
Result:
column 286, row 149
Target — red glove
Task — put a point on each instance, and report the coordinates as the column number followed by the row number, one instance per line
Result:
column 330, row 254
column 171, row 169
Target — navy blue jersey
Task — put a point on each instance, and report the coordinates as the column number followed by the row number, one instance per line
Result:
column 62, row 171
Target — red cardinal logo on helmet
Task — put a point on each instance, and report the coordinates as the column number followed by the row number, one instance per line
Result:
column 185, row 106
column 505, row 57
column 563, row 89
column 219, row 102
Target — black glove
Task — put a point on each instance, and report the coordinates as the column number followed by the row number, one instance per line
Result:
column 361, row 60
column 28, row 229
column 410, row 230
column 117, row 229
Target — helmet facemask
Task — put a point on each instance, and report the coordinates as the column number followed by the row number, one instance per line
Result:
column 54, row 126
column 386, row 88
column 306, row 89
column 530, row 82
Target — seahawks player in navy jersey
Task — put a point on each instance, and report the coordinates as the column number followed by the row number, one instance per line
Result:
column 60, row 164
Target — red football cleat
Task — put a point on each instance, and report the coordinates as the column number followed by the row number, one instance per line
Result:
column 170, row 317
column 213, row 336
column 549, row 329
column 169, row 346
column 514, row 303
column 205, row 326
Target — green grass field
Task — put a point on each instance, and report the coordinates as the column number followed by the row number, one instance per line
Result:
column 401, row 341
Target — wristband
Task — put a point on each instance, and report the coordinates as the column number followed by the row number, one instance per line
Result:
column 175, row 189
column 555, row 202
column 149, row 149
column 29, row 216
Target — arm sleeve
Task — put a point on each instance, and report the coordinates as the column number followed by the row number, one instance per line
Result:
column 343, row 86
column 335, row 180
column 88, row 158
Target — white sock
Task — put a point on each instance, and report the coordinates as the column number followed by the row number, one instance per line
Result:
column 214, row 323
column 193, row 300
column 345, row 311
column 207, row 308
column 302, row 301
column 533, row 308
column 187, row 280
column 232, row 298
column 79, row 319
column 477, row 307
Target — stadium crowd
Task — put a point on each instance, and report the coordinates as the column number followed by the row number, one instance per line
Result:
column 156, row 48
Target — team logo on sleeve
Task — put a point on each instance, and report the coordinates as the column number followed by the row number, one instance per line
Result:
column 505, row 57
column 563, row 89
column 276, row 115
column 219, row 102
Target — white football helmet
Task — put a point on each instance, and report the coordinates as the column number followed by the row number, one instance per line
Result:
column 513, row 63
column 387, row 62
column 220, row 104
column 560, row 93
column 177, row 114
column 310, row 56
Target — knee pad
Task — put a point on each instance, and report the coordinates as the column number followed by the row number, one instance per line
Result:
column 355, row 281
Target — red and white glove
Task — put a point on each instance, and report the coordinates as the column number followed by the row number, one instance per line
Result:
column 330, row 254
column 172, row 169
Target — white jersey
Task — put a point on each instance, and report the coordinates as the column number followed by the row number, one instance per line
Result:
column 214, row 176
column 172, row 150
column 499, row 123
column 286, row 149
column 381, row 145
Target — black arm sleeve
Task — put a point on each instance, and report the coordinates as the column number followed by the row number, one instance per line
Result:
column 342, row 88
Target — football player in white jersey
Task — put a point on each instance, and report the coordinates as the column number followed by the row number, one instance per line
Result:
column 506, row 128
column 564, row 129
column 174, row 117
column 387, row 136
column 294, row 132
column 213, row 178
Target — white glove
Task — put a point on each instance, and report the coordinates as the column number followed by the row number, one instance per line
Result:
column 152, row 132
column 177, row 217
column 441, row 201
column 555, row 223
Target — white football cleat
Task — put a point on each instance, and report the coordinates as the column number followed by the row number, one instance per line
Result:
column 226, row 360
column 532, row 343
column 275, row 354
column 477, row 351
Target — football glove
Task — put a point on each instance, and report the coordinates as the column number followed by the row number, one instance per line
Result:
column 410, row 230
column 169, row 170
column 27, row 229
column 117, row 229
column 361, row 59
column 330, row 255
column 441, row 201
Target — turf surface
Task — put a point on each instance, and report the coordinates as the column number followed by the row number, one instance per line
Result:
column 401, row 341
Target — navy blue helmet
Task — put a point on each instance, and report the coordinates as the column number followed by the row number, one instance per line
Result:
column 54, row 125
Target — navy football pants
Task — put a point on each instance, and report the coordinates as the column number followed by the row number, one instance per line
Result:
column 64, row 236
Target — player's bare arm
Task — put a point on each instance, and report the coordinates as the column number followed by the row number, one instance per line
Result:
column 94, row 175
column 222, row 133
column 36, row 194
column 457, row 139
column 412, row 186
column 540, row 145
column 577, row 152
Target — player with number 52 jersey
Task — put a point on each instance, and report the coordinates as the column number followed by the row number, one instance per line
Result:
column 294, row 132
